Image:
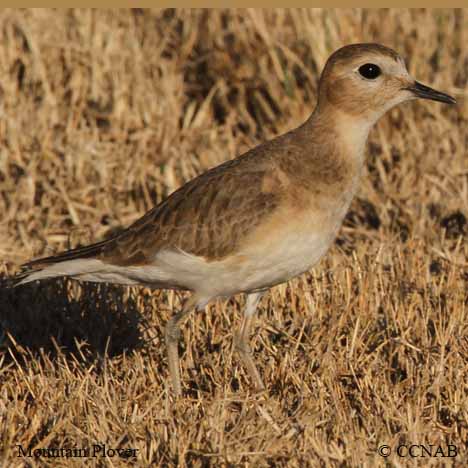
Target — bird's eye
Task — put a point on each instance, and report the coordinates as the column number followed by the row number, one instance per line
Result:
column 370, row 71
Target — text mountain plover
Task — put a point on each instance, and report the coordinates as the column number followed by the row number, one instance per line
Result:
column 262, row 218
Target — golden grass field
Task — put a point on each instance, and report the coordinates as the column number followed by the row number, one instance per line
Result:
column 103, row 114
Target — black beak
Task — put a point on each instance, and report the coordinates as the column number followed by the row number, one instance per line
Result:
column 421, row 91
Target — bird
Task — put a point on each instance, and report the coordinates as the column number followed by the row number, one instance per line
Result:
column 260, row 219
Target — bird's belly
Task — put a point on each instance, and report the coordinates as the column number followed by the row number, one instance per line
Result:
column 274, row 256
column 283, row 260
column 258, row 267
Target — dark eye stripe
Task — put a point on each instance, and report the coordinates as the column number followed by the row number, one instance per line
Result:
column 370, row 71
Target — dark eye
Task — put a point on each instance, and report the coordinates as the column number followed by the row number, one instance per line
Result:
column 370, row 71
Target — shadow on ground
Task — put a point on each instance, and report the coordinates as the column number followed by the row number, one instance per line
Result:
column 60, row 316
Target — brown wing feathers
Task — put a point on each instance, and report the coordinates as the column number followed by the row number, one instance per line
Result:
column 87, row 251
column 207, row 217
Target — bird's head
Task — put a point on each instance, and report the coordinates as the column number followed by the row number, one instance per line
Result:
column 364, row 81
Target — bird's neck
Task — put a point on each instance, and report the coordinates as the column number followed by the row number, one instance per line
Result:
column 349, row 132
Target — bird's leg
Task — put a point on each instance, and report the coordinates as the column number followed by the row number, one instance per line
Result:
column 242, row 338
column 172, row 337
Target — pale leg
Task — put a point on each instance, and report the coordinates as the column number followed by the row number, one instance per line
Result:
column 242, row 339
column 172, row 338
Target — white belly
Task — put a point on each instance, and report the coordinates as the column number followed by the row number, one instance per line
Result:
column 277, row 256
column 257, row 267
column 291, row 257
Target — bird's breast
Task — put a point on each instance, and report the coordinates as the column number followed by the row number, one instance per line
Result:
column 289, row 244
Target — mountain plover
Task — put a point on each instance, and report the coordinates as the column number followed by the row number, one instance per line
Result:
column 262, row 218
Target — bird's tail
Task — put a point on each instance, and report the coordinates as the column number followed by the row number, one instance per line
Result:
column 72, row 262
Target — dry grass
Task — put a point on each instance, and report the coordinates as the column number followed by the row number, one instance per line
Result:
column 105, row 113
